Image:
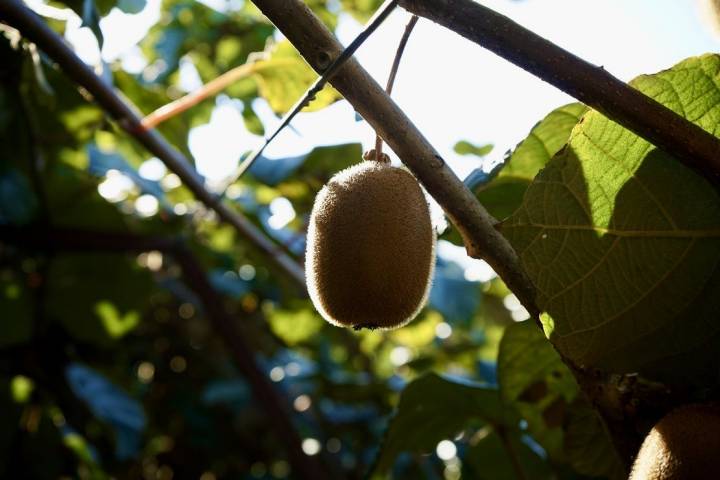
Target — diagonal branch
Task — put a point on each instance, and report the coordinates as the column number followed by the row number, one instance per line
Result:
column 32, row 27
column 476, row 225
column 693, row 146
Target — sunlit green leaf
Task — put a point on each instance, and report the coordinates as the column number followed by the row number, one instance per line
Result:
column 294, row 327
column 623, row 242
column 504, row 193
column 116, row 324
column 284, row 76
column 466, row 148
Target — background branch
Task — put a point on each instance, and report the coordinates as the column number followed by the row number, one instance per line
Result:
column 73, row 240
column 693, row 146
column 32, row 27
column 208, row 90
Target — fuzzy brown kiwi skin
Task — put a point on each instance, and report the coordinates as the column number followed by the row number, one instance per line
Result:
column 371, row 248
column 683, row 445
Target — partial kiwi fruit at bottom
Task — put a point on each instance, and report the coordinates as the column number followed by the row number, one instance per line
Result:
column 371, row 247
column 683, row 445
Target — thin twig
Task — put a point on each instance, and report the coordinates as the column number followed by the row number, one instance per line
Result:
column 32, row 27
column 690, row 144
column 326, row 72
column 393, row 73
column 208, row 90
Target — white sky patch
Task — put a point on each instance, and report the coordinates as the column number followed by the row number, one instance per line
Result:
column 400, row 355
column 218, row 145
column 123, row 31
column 446, row 450
column 311, row 446
column 223, row 6
column 277, row 374
column 116, row 187
column 443, row 330
column 517, row 311
column 282, row 213
column 170, row 181
column 146, row 205
column 247, row 272
column 189, row 77
column 475, row 270
column 83, row 41
column 152, row 169
column 133, row 60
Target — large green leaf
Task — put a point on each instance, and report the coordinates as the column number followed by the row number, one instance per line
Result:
column 283, row 77
column 433, row 408
column 622, row 242
column 503, row 195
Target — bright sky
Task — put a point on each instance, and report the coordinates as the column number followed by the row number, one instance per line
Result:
column 451, row 88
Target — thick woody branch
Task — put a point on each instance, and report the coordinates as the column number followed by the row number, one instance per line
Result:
column 693, row 146
column 476, row 225
column 32, row 27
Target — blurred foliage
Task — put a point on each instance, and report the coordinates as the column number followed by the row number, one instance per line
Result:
column 109, row 366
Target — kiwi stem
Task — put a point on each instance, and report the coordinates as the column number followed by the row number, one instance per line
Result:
column 393, row 73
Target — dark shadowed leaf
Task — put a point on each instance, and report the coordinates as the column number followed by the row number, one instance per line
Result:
column 109, row 404
column 587, row 445
column 433, row 408
column 497, row 456
column 534, row 379
column 17, row 200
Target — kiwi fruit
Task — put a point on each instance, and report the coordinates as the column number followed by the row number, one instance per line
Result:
column 371, row 247
column 683, row 445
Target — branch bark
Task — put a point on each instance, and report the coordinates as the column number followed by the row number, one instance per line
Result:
column 74, row 240
column 33, row 28
column 693, row 146
column 475, row 224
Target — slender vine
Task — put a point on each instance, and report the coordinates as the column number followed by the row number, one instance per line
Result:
column 393, row 73
column 327, row 69
column 188, row 101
